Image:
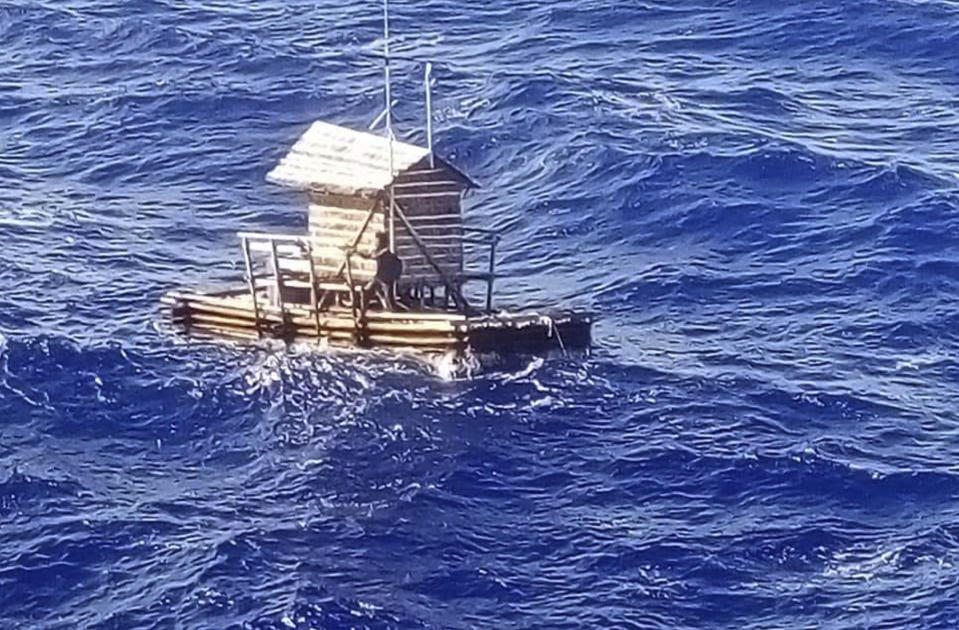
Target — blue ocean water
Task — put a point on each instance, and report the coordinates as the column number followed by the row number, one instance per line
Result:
column 760, row 201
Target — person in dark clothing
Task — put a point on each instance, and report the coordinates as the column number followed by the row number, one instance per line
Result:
column 389, row 268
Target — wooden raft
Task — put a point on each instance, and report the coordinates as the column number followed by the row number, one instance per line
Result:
column 363, row 189
column 232, row 314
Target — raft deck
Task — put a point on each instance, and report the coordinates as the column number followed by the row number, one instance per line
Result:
column 236, row 314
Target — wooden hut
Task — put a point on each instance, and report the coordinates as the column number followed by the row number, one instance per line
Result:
column 350, row 182
column 358, row 185
column 312, row 287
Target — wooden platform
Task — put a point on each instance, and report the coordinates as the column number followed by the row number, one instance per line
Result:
column 233, row 314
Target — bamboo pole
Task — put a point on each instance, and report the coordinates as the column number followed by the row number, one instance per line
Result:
column 230, row 322
column 267, row 236
column 411, row 328
column 404, row 321
column 453, row 318
column 218, row 331
column 199, row 308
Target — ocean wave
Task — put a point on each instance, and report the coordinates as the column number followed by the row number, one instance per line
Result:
column 758, row 203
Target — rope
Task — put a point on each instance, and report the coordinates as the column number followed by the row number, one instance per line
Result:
column 551, row 329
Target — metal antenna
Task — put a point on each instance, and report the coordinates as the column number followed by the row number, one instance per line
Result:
column 429, row 111
column 389, row 119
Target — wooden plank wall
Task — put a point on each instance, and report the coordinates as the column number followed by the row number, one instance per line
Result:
column 430, row 198
column 333, row 224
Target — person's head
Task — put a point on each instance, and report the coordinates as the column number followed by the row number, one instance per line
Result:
column 382, row 240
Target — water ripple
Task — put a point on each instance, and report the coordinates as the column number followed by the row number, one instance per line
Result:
column 759, row 203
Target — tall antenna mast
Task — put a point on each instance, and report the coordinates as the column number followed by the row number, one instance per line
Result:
column 389, row 119
column 427, row 75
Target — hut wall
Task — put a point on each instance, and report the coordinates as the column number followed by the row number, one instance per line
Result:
column 430, row 199
column 334, row 221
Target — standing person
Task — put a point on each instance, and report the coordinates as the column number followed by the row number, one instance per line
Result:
column 389, row 267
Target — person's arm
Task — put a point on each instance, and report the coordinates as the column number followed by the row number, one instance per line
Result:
column 353, row 251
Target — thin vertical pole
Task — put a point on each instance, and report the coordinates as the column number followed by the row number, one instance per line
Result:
column 277, row 279
column 492, row 274
column 392, row 216
column 429, row 112
column 389, row 115
column 354, row 296
column 457, row 290
column 314, row 294
column 386, row 64
column 251, row 283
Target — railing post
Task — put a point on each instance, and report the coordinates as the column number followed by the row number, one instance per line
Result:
column 251, row 282
column 492, row 274
column 314, row 294
column 277, row 276
column 353, row 298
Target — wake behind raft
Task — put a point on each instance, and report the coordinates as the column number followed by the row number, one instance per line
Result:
column 365, row 190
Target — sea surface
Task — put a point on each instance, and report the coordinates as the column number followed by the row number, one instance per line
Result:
column 758, row 200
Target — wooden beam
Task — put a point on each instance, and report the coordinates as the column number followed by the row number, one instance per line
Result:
column 457, row 294
column 492, row 276
column 314, row 297
column 356, row 239
column 430, row 195
column 423, row 171
column 225, row 332
column 440, row 220
column 251, row 281
column 428, row 182
column 277, row 275
column 353, row 306
column 266, row 236
column 457, row 318
column 226, row 311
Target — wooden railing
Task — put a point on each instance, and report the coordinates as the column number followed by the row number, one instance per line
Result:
column 484, row 236
column 290, row 246
column 283, row 249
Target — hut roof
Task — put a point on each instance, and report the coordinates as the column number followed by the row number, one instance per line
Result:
column 344, row 160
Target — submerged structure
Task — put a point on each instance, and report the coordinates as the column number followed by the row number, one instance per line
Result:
column 364, row 189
